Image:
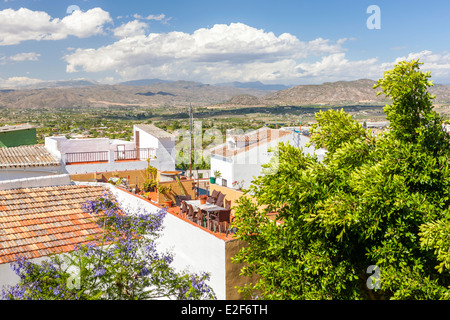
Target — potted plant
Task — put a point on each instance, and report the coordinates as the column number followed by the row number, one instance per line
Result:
column 203, row 198
column 150, row 180
column 217, row 174
column 164, row 190
column 238, row 184
column 150, row 185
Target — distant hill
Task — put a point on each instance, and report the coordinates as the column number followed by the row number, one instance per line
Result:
column 340, row 92
column 143, row 82
column 245, row 100
column 61, row 84
column 86, row 93
column 254, row 85
column 176, row 93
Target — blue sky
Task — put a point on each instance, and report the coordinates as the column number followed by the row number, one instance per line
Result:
column 287, row 41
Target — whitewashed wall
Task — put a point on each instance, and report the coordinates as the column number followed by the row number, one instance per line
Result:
column 64, row 145
column 226, row 168
column 107, row 167
column 146, row 140
column 165, row 149
column 58, row 146
column 165, row 154
column 248, row 165
column 8, row 277
column 129, row 145
column 23, row 173
column 194, row 249
column 52, row 146
column 33, row 182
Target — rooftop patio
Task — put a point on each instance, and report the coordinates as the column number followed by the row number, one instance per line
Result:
column 141, row 154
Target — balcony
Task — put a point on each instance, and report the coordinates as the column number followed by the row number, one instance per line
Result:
column 136, row 154
column 141, row 154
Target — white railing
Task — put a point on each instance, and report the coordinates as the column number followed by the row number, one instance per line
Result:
column 141, row 154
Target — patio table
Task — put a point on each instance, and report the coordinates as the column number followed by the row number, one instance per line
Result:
column 207, row 207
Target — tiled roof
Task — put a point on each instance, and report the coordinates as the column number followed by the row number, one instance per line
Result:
column 36, row 222
column 26, row 156
column 154, row 131
column 255, row 139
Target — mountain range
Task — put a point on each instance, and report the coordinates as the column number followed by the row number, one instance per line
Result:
column 157, row 92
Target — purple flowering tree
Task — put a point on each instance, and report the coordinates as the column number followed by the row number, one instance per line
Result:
column 121, row 264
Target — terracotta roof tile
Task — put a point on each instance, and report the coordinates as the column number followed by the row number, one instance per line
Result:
column 34, row 222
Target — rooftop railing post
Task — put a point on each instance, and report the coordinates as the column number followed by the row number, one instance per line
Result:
column 111, row 156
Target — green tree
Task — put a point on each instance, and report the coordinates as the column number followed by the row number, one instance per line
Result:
column 373, row 201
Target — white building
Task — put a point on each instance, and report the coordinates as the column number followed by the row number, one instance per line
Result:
column 107, row 155
column 149, row 136
column 241, row 157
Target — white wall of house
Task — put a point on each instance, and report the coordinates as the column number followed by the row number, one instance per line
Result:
column 246, row 166
column 63, row 145
column 194, row 249
column 52, row 145
column 165, row 149
column 165, row 154
column 33, row 182
column 29, row 172
column 8, row 277
column 128, row 145
column 60, row 146
column 226, row 168
column 107, row 167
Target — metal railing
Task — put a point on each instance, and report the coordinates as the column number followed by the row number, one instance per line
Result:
column 136, row 154
column 80, row 157
column 141, row 154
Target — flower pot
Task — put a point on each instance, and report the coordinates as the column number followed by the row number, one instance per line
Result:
column 202, row 201
column 212, row 180
column 168, row 203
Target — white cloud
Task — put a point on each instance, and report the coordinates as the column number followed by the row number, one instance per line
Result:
column 25, row 56
column 132, row 28
column 222, row 52
column 24, row 24
column 437, row 63
column 15, row 82
column 236, row 52
column 19, row 57
column 337, row 66
column 158, row 17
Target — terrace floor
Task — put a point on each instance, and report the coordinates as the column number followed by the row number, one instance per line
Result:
column 176, row 211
